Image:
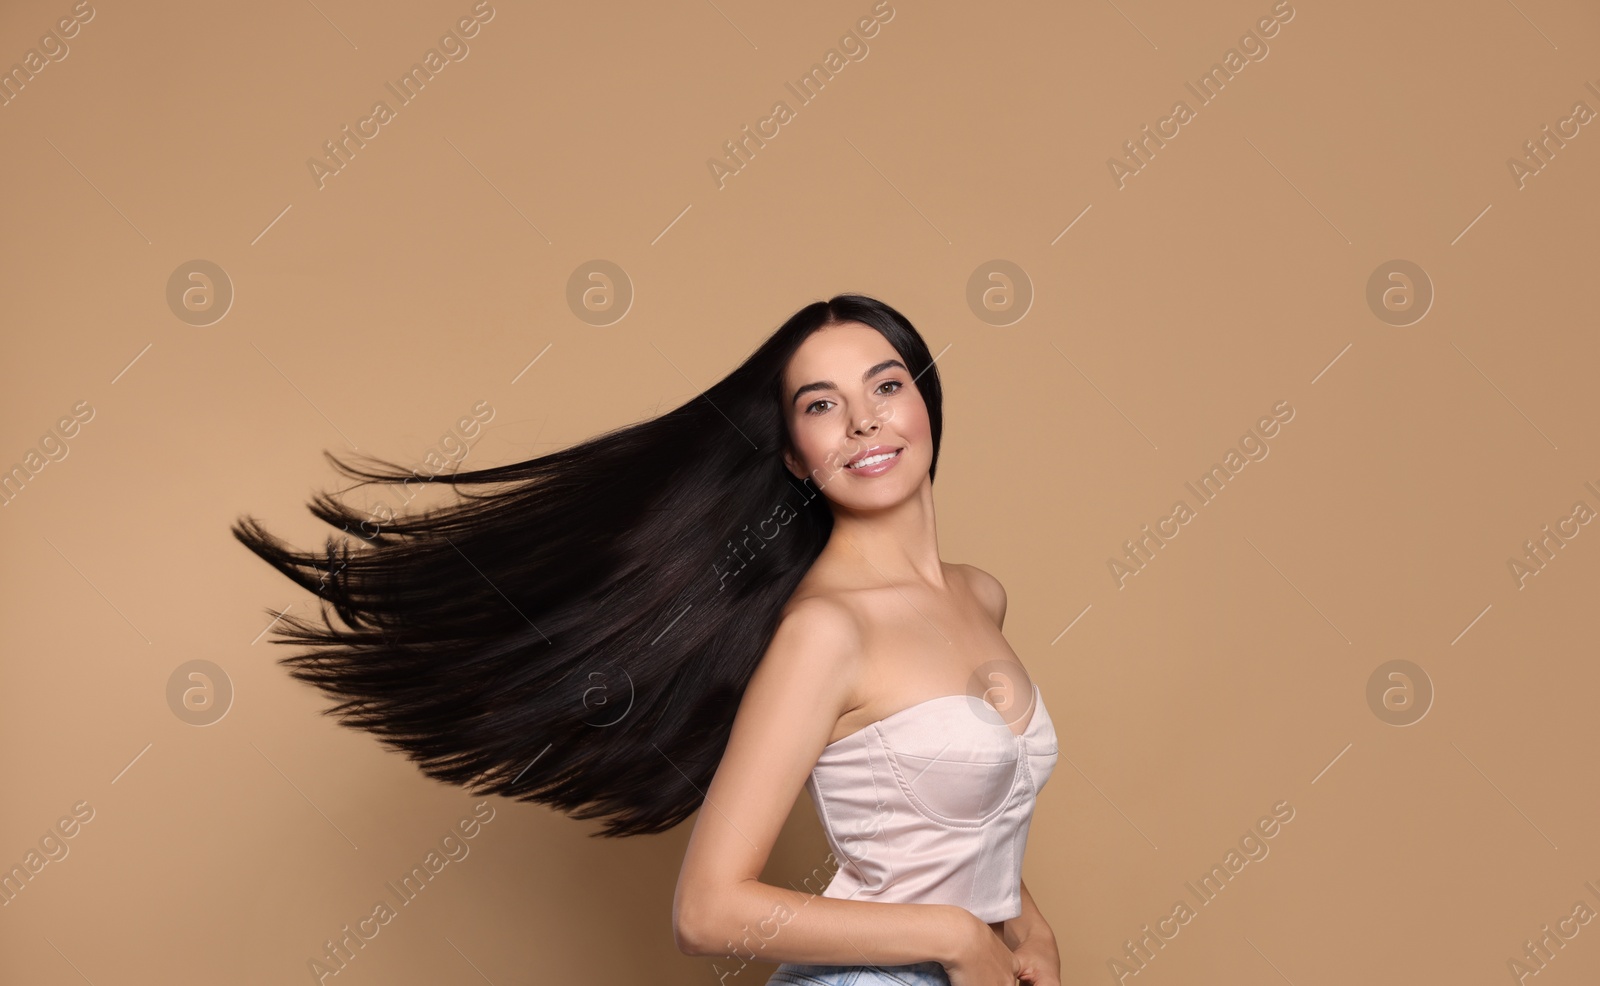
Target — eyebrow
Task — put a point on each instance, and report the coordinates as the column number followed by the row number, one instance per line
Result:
column 872, row 371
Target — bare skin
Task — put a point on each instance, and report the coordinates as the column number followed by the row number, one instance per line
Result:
column 920, row 641
column 879, row 623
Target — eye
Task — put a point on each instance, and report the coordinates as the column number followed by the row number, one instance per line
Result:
column 897, row 385
column 813, row 404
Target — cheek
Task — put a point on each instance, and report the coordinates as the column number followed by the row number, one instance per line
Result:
column 811, row 449
column 911, row 419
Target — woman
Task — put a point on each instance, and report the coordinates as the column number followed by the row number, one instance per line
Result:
column 710, row 609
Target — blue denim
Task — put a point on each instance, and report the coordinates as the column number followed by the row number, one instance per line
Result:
column 916, row 974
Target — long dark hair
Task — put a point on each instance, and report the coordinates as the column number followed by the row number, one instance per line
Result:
column 580, row 630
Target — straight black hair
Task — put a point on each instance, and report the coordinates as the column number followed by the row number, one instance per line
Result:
column 578, row 629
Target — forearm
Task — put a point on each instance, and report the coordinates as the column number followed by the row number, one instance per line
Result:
column 755, row 920
column 1030, row 923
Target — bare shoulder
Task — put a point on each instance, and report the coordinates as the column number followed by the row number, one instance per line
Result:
column 819, row 629
column 988, row 590
column 820, row 637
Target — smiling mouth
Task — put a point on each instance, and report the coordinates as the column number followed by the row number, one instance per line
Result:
column 873, row 460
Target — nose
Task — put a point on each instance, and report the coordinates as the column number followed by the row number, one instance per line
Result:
column 867, row 427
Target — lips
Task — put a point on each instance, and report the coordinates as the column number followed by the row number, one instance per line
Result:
column 870, row 452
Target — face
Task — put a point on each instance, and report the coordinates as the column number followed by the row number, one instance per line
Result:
column 849, row 396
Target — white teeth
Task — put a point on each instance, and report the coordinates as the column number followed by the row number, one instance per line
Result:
column 873, row 459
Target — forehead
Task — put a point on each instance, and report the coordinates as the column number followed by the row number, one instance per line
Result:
column 838, row 350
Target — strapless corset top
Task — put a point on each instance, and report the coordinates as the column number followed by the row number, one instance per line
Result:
column 932, row 804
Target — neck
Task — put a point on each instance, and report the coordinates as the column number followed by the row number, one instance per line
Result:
column 896, row 544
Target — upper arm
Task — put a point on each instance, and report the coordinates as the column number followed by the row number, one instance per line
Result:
column 988, row 589
column 804, row 682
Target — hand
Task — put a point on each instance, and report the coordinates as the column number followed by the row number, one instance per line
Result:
column 1040, row 961
column 981, row 958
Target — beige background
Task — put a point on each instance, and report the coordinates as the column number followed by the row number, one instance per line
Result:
column 1229, row 275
